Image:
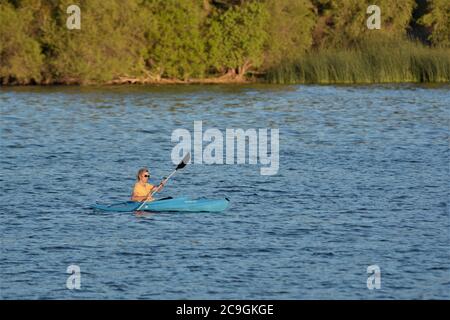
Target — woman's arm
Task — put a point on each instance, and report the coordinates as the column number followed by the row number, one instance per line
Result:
column 160, row 187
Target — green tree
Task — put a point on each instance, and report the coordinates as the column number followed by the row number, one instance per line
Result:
column 289, row 28
column 20, row 55
column 343, row 23
column 175, row 45
column 110, row 43
column 438, row 20
column 236, row 37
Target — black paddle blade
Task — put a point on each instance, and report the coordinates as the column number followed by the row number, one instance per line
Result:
column 184, row 162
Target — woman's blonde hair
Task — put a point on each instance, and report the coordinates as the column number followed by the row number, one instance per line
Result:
column 140, row 172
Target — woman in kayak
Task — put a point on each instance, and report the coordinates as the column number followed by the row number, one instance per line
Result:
column 142, row 190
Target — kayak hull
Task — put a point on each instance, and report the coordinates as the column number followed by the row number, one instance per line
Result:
column 168, row 205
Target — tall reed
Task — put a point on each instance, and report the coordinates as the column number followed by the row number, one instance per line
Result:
column 368, row 62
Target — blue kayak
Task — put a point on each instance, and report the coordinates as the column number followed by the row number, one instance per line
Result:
column 169, row 204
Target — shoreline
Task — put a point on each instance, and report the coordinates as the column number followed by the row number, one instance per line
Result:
column 212, row 81
column 144, row 81
column 134, row 81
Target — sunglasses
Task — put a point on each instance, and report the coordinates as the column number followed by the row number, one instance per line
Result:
column 146, row 175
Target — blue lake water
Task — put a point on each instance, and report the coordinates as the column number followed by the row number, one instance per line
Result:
column 363, row 180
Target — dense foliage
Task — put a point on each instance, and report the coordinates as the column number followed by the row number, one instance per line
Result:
column 284, row 40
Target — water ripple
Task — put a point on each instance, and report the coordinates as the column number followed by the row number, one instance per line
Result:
column 363, row 180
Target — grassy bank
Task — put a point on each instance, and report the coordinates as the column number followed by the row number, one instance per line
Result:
column 374, row 62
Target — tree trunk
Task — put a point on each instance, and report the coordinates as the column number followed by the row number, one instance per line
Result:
column 242, row 70
column 230, row 74
column 206, row 6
